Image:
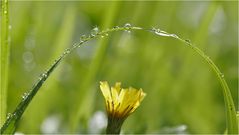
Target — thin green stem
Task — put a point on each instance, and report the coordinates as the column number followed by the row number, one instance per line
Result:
column 4, row 56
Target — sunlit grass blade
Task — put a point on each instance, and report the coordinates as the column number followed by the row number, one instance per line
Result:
column 4, row 56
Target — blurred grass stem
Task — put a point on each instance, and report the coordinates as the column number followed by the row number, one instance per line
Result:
column 4, row 56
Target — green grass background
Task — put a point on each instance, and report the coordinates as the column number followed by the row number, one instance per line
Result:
column 181, row 88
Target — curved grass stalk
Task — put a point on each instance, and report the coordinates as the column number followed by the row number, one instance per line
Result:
column 9, row 126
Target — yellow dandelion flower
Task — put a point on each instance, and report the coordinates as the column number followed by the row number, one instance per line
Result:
column 120, row 103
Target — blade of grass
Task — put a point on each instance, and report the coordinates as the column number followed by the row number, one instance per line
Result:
column 10, row 125
column 4, row 64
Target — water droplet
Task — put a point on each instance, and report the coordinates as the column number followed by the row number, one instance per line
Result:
column 222, row 75
column 115, row 27
column 9, row 115
column 94, row 31
column 162, row 33
column 44, row 75
column 83, row 38
column 188, row 41
column 25, row 95
column 104, row 35
column 127, row 27
column 174, row 35
column 67, row 51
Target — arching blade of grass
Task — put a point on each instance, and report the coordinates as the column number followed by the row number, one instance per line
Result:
column 4, row 56
column 232, row 128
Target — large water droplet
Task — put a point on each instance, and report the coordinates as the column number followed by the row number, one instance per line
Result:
column 160, row 32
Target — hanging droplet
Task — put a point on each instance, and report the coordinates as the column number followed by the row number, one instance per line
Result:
column 94, row 31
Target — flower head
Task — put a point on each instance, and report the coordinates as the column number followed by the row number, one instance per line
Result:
column 120, row 102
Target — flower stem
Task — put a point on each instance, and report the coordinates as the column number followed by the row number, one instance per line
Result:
column 114, row 127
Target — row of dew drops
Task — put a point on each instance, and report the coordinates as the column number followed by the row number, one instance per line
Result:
column 96, row 32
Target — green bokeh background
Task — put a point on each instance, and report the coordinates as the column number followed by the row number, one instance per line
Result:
column 181, row 88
